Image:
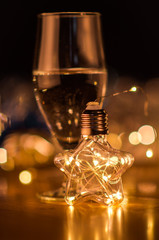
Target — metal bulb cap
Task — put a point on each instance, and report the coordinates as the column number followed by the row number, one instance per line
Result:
column 94, row 120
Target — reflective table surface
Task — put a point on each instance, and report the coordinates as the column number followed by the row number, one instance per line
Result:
column 24, row 216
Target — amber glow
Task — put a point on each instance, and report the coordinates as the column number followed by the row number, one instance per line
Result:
column 38, row 143
column 147, row 187
column 150, row 227
column 43, row 147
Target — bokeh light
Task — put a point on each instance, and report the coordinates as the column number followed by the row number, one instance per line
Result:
column 149, row 153
column 148, row 134
column 3, row 155
column 25, row 177
column 135, row 138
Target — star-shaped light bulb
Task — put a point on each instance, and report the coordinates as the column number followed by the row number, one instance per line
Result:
column 94, row 168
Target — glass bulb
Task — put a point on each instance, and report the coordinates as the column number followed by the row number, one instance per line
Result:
column 94, row 168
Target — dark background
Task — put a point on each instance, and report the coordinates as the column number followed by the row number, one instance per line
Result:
column 130, row 32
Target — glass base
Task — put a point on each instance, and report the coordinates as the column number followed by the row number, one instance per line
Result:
column 56, row 196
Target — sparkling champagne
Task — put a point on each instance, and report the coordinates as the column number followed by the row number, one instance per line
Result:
column 62, row 96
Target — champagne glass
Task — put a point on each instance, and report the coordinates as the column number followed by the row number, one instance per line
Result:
column 69, row 71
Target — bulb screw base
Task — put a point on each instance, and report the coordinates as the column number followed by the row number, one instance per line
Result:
column 94, row 120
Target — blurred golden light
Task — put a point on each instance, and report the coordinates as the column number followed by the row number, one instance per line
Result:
column 133, row 89
column 150, row 226
column 69, row 122
column 59, row 126
column 110, row 211
column 149, row 153
column 76, row 121
column 135, row 138
column 147, row 134
column 3, row 155
column 71, row 209
column 115, row 140
column 70, row 111
column 25, row 177
column 38, row 143
column 147, row 187
column 43, row 147
column 9, row 165
column 44, row 90
column 119, row 214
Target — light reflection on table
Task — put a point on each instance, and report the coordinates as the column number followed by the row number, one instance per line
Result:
column 24, row 216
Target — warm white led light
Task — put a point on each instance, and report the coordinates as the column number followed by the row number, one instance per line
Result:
column 105, row 178
column 77, row 163
column 62, row 169
column 70, row 159
column 133, row 89
column 149, row 153
column 25, row 177
column 95, row 162
column 67, row 163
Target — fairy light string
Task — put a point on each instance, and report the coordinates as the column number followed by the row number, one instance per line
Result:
column 101, row 182
column 133, row 89
column 94, row 168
